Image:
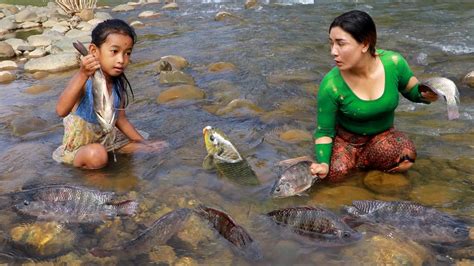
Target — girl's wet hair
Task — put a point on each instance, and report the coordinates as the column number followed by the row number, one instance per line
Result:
column 99, row 36
column 360, row 26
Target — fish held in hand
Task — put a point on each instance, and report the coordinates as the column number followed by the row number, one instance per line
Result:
column 295, row 179
column 74, row 204
column 103, row 102
column 446, row 88
column 416, row 221
column 242, row 243
column 157, row 234
column 318, row 226
column 225, row 158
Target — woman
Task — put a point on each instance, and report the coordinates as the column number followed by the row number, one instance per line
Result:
column 357, row 101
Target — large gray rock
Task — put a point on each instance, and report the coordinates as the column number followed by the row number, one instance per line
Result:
column 39, row 40
column 15, row 42
column 6, row 51
column 26, row 15
column 53, row 63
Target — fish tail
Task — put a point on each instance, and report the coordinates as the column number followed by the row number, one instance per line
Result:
column 126, row 208
column 453, row 111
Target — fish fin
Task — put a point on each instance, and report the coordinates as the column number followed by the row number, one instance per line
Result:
column 208, row 163
column 126, row 207
column 100, row 252
column 293, row 161
column 303, row 194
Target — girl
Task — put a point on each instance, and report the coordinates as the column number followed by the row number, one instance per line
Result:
column 357, row 101
column 85, row 144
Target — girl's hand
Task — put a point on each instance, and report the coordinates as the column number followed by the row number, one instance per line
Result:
column 89, row 64
column 320, row 170
column 427, row 93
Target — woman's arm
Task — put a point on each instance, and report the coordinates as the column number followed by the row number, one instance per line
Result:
column 75, row 88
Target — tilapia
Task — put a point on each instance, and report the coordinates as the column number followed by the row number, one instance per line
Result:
column 295, row 178
column 414, row 220
column 446, row 88
column 224, row 157
column 103, row 102
column 157, row 234
column 242, row 243
column 320, row 226
column 74, row 204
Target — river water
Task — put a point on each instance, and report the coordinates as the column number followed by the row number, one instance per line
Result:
column 281, row 53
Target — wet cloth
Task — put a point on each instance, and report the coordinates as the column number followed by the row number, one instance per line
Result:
column 339, row 106
column 81, row 128
column 383, row 151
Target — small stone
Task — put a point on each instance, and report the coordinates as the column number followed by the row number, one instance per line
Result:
column 40, row 74
column 86, row 14
column 163, row 254
column 469, row 79
column 250, row 4
column 148, row 14
column 37, row 89
column 29, row 25
column 181, row 92
column 137, row 24
column 61, row 29
column 163, row 65
column 25, row 48
column 185, row 261
column 170, row 6
column 175, row 77
column 222, row 15
column 8, row 65
column 39, row 40
column 38, row 52
column 6, row 51
column 123, row 8
column 6, row 77
column 178, row 62
column 221, row 66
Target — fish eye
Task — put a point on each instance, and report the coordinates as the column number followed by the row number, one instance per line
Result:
column 211, row 137
column 459, row 231
column 277, row 189
column 346, row 235
column 26, row 203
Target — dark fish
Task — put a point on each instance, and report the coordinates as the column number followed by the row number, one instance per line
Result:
column 65, row 203
column 241, row 241
column 320, row 226
column 157, row 234
column 416, row 221
column 295, row 178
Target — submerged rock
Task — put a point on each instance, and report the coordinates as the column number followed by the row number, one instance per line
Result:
column 176, row 61
column 162, row 254
column 37, row 89
column 435, row 194
column 170, row 6
column 7, row 77
column 340, row 195
column 386, row 183
column 240, row 107
column 221, row 66
column 175, row 77
column 180, row 92
column 6, row 51
column 295, row 136
column 469, row 79
column 23, row 125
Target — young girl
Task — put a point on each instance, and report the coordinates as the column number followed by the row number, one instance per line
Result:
column 85, row 144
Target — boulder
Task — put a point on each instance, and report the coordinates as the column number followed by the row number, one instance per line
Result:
column 170, row 6
column 39, row 40
column 37, row 89
column 181, row 92
column 6, row 51
column 29, row 25
column 38, row 52
column 6, row 77
column 148, row 14
column 469, row 79
column 176, row 61
column 86, row 14
column 26, row 15
column 15, row 43
column 123, row 8
column 175, row 77
column 221, row 66
column 53, row 63
column 7, row 24
column 8, row 65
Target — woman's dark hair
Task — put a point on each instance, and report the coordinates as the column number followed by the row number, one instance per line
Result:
column 360, row 26
column 99, row 35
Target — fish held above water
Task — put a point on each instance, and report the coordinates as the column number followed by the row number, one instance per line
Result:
column 66, row 203
column 103, row 102
column 295, row 178
column 416, row 221
column 316, row 225
column 446, row 88
column 157, row 234
column 242, row 243
column 225, row 158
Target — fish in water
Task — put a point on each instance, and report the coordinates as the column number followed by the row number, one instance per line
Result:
column 241, row 241
column 66, row 203
column 416, row 221
column 103, row 102
column 295, row 178
column 446, row 88
column 224, row 157
column 157, row 234
column 320, row 226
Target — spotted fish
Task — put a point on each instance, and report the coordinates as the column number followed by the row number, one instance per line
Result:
column 66, row 203
column 295, row 179
column 242, row 243
column 446, row 88
column 416, row 221
column 316, row 225
column 224, row 157
column 157, row 234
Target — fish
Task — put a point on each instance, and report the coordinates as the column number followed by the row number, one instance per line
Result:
column 241, row 242
column 157, row 234
column 446, row 88
column 317, row 226
column 103, row 102
column 418, row 222
column 70, row 204
column 295, row 179
column 225, row 158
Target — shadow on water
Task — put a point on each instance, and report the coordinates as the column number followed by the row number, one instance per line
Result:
column 280, row 54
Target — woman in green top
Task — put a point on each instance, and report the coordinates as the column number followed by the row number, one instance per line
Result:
column 357, row 101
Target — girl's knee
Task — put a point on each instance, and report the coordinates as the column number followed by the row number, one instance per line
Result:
column 92, row 156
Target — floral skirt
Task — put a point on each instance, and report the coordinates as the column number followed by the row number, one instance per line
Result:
column 383, row 151
column 78, row 132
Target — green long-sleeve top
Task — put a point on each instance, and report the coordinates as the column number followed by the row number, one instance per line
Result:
column 338, row 105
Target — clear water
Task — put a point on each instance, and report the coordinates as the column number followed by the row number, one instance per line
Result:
column 278, row 50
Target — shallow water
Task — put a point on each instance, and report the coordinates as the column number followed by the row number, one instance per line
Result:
column 280, row 53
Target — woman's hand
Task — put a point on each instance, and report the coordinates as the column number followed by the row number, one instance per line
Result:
column 89, row 64
column 320, row 170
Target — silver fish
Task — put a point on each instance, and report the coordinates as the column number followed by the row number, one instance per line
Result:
column 74, row 204
column 157, row 234
column 103, row 102
column 320, row 226
column 295, row 179
column 416, row 221
column 446, row 88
